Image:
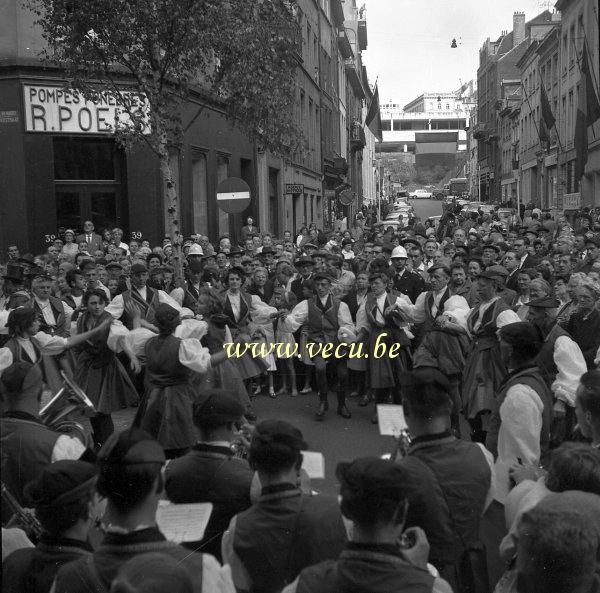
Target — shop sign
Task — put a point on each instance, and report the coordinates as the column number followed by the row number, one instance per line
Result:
column 57, row 109
column 551, row 160
column 9, row 117
column 294, row 188
column 572, row 201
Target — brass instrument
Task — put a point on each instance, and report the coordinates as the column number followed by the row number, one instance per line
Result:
column 403, row 441
column 25, row 519
column 69, row 399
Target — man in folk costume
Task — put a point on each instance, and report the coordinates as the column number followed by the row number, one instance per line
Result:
column 326, row 317
column 145, row 299
column 484, row 369
column 520, row 423
column 428, row 313
column 188, row 294
column 55, row 317
column 561, row 363
column 379, row 321
column 28, row 445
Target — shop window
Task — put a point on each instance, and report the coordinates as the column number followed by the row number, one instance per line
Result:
column 83, row 158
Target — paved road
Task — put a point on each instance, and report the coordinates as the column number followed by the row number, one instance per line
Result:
column 338, row 439
column 427, row 208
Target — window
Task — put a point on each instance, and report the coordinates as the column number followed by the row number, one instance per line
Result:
column 83, row 158
column 199, row 193
column 572, row 50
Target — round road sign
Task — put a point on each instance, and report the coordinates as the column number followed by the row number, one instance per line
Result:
column 347, row 197
column 233, row 195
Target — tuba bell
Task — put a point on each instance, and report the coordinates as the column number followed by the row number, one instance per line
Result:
column 70, row 399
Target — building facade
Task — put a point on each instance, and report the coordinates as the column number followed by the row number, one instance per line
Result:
column 579, row 22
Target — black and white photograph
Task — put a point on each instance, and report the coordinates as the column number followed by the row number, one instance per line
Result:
column 300, row 296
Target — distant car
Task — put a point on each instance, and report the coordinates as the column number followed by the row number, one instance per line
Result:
column 421, row 194
column 386, row 223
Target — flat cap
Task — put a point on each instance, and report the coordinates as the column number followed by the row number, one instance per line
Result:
column 322, row 276
column 219, row 408
column 138, row 268
column 279, row 432
column 130, row 447
column 305, row 261
column 494, row 272
column 547, row 302
column 61, row 482
column 267, row 249
column 114, row 264
column 522, row 334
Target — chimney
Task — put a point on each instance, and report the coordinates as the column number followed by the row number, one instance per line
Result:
column 518, row 28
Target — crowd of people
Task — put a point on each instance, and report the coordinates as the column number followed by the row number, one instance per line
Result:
column 486, row 331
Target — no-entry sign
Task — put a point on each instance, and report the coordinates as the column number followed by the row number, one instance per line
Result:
column 233, row 195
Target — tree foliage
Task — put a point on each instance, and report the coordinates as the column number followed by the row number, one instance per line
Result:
column 238, row 54
column 241, row 53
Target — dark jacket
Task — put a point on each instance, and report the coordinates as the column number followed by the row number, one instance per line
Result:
column 284, row 532
column 351, row 301
column 365, row 568
column 32, row 570
column 451, row 480
column 267, row 291
column 410, row 283
column 586, row 332
column 212, row 474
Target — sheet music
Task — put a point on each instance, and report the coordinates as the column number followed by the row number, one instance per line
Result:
column 391, row 419
column 313, row 464
column 183, row 522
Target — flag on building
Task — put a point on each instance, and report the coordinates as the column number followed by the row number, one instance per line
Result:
column 373, row 119
column 588, row 111
column 547, row 119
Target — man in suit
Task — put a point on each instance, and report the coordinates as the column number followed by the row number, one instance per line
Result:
column 305, row 266
column 525, row 259
column 406, row 281
column 511, row 263
column 92, row 239
column 249, row 229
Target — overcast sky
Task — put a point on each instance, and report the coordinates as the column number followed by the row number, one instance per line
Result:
column 409, row 41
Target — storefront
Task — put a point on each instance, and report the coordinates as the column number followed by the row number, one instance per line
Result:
column 62, row 166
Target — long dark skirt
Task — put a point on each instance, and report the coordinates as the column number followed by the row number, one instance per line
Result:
column 166, row 413
column 108, row 386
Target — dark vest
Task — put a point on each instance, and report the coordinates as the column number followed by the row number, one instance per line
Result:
column 365, row 569
column 488, row 321
column 396, row 333
column 27, row 446
column 95, row 348
column 245, row 306
column 59, row 315
column 545, row 359
column 162, row 362
column 147, row 307
column 284, row 532
column 19, row 354
column 463, row 476
column 323, row 322
column 531, row 377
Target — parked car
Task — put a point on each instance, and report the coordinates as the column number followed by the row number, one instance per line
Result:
column 421, row 194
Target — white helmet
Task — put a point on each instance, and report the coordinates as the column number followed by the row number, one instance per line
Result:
column 399, row 252
column 195, row 249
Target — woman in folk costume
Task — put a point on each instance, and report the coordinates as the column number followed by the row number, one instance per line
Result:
column 97, row 369
column 226, row 375
column 379, row 320
column 27, row 343
column 284, row 302
column 484, row 369
column 247, row 313
column 166, row 410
